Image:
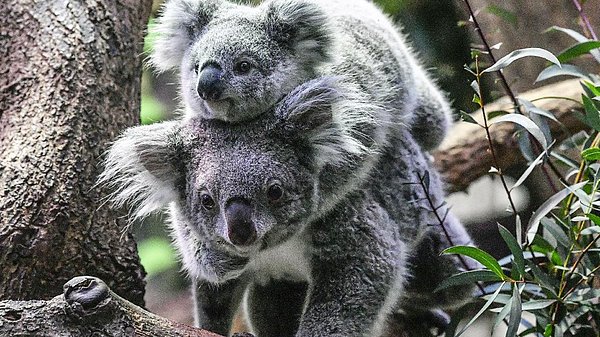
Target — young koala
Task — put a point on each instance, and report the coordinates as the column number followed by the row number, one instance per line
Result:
column 236, row 62
column 264, row 211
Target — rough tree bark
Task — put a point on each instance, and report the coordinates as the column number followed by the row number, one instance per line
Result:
column 88, row 308
column 69, row 82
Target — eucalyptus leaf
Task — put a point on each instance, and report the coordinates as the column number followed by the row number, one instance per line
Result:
column 557, row 232
column 590, row 230
column 525, row 122
column 546, row 207
column 468, row 277
column 591, row 154
column 520, row 53
column 536, row 304
column 563, row 70
column 576, row 36
column 514, row 319
column 481, row 311
column 578, row 50
column 528, row 171
column 501, row 315
column 466, row 117
column 478, row 255
column 515, row 249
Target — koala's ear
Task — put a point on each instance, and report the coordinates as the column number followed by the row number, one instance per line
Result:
column 325, row 120
column 140, row 168
column 302, row 25
column 176, row 29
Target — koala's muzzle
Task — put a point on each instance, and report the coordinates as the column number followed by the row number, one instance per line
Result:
column 210, row 82
column 240, row 228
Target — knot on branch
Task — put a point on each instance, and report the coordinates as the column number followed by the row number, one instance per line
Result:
column 86, row 295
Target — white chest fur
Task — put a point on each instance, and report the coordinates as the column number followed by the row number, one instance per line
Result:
column 288, row 261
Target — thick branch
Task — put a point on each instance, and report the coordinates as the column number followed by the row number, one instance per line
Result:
column 464, row 156
column 88, row 308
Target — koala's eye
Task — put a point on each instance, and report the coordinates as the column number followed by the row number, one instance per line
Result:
column 207, row 201
column 243, row 67
column 275, row 192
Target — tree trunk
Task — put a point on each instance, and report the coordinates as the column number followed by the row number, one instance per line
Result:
column 69, row 83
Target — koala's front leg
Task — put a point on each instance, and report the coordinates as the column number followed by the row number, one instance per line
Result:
column 355, row 281
column 216, row 304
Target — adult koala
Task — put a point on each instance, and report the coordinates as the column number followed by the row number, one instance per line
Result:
column 273, row 209
column 236, row 62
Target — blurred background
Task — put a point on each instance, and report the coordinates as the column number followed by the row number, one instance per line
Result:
column 442, row 35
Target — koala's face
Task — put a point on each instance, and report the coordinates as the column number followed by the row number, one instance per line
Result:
column 246, row 190
column 236, row 71
column 236, row 61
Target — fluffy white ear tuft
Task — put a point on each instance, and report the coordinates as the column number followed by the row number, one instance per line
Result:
column 176, row 29
column 140, row 169
column 331, row 118
column 303, row 25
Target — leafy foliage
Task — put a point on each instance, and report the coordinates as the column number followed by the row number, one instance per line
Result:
column 553, row 269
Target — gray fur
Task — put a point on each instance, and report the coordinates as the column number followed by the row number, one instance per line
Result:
column 354, row 237
column 289, row 42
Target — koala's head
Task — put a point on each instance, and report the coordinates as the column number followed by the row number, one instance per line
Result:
column 235, row 61
column 237, row 189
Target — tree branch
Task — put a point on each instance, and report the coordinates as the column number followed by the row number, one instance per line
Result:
column 88, row 308
column 464, row 157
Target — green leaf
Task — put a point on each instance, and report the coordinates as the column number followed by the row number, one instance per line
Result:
column 565, row 160
column 468, row 277
column 563, row 70
column 573, row 34
column 515, row 249
column 591, row 88
column 505, row 310
column 548, row 330
column 514, row 319
column 496, row 113
column 546, row 207
column 525, row 122
column 590, row 230
column 576, row 36
column 520, row 53
column 466, row 117
column 532, row 109
column 543, row 279
column 482, row 310
column 595, row 219
column 578, row 50
column 529, row 169
column 591, row 154
column 592, row 116
column 475, row 87
column 556, row 231
column 537, row 304
column 480, row 256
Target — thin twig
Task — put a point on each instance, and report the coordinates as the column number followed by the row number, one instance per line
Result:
column 513, row 98
column 584, row 18
column 489, row 138
column 442, row 222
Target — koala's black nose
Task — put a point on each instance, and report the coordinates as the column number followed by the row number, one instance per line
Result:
column 210, row 84
column 240, row 228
